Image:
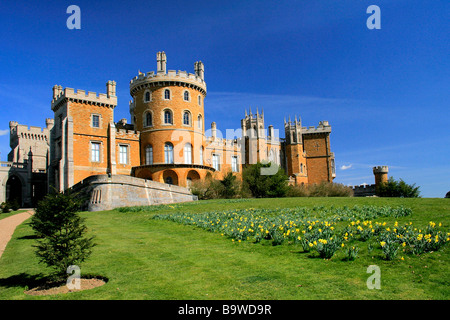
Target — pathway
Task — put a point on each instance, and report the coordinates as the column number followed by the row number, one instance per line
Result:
column 8, row 225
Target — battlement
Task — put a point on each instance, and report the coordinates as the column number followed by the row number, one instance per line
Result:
column 223, row 143
column 177, row 77
column 380, row 169
column 101, row 99
column 323, row 127
column 364, row 190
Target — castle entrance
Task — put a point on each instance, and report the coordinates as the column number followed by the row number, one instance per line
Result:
column 14, row 190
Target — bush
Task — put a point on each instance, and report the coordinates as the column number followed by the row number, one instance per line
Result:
column 15, row 205
column 262, row 186
column 401, row 189
column 61, row 232
column 323, row 189
column 5, row 207
column 227, row 188
column 447, row 195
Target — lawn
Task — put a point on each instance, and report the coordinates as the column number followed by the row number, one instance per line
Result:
column 147, row 258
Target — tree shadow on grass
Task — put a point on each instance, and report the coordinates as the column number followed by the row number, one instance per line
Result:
column 24, row 280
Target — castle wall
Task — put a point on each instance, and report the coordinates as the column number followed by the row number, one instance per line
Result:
column 103, row 192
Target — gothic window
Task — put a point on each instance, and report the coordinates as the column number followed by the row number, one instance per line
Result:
column 199, row 100
column 167, row 94
column 186, row 95
column 199, row 121
column 168, row 117
column 188, row 153
column 168, row 152
column 148, row 155
column 148, row 119
column 201, row 155
column 186, row 118
column 147, row 96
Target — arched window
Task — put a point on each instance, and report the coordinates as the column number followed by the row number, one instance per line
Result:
column 167, row 94
column 188, row 153
column 186, row 118
column 186, row 96
column 168, row 152
column 148, row 155
column 147, row 96
column 148, row 119
column 199, row 100
column 168, row 117
column 199, row 121
column 201, row 155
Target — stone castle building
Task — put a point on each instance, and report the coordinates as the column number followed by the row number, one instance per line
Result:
column 164, row 142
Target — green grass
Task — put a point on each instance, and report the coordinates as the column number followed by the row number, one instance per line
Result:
column 9, row 214
column 144, row 258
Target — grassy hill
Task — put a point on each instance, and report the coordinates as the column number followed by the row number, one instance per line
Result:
column 147, row 258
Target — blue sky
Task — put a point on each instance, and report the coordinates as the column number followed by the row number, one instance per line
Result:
column 385, row 92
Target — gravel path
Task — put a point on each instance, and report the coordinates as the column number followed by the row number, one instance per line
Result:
column 8, row 225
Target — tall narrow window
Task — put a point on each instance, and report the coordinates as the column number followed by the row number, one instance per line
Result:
column 234, row 164
column 201, row 155
column 95, row 121
column 95, row 152
column 167, row 94
column 167, row 117
column 148, row 119
column 148, row 155
column 188, row 153
column 186, row 118
column 123, row 154
column 199, row 121
column 199, row 100
column 147, row 96
column 186, row 96
column 168, row 152
column 216, row 161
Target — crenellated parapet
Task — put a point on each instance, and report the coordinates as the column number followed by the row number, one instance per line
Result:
column 323, row 127
column 172, row 77
column 108, row 99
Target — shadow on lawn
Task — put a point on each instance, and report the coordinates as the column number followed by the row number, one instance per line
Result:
column 24, row 280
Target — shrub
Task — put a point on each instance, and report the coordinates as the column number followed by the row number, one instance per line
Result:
column 229, row 187
column 401, row 189
column 14, row 205
column 323, row 189
column 262, row 186
column 5, row 207
column 61, row 232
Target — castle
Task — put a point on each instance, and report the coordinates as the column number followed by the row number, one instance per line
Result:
column 165, row 143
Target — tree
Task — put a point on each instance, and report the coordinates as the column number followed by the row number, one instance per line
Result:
column 447, row 195
column 265, row 185
column 230, row 186
column 401, row 189
column 61, row 232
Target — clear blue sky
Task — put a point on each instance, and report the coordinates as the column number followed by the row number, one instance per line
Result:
column 385, row 92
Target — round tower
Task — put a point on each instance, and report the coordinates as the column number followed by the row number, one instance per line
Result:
column 168, row 110
column 381, row 174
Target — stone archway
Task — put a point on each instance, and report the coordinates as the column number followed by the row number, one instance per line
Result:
column 170, row 177
column 14, row 190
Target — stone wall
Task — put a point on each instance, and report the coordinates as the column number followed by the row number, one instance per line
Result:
column 106, row 192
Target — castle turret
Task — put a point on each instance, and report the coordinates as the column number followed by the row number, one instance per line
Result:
column 168, row 109
column 161, row 62
column 381, row 174
column 111, row 88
